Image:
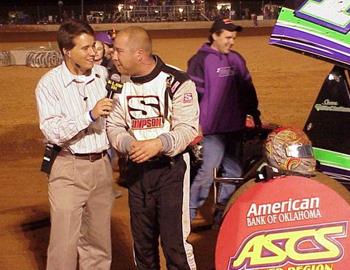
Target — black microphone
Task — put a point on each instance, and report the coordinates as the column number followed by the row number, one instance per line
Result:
column 114, row 85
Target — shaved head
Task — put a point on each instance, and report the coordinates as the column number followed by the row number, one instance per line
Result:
column 133, row 52
column 137, row 38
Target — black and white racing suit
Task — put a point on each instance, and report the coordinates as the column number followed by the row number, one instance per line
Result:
column 162, row 104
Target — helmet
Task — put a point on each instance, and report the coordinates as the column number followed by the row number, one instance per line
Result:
column 104, row 37
column 290, row 150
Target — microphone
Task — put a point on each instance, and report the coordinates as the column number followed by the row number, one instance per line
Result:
column 114, row 85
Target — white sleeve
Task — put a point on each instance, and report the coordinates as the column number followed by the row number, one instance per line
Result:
column 117, row 132
column 184, row 122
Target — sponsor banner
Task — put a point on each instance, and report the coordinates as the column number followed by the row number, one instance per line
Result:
column 288, row 223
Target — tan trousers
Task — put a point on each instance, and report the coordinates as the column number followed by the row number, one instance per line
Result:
column 81, row 199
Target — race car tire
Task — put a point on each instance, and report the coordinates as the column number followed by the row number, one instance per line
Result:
column 43, row 59
column 5, row 58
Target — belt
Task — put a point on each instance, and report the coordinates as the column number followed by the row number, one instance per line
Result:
column 90, row 156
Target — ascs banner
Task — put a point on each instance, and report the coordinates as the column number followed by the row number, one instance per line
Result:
column 287, row 223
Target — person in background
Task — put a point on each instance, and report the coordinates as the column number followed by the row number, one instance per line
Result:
column 153, row 121
column 227, row 96
column 100, row 52
column 104, row 49
column 72, row 109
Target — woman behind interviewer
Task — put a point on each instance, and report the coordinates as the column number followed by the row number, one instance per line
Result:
column 104, row 49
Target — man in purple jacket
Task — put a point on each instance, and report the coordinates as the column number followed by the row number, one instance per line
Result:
column 227, row 96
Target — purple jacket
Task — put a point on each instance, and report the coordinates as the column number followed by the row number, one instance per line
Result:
column 225, row 90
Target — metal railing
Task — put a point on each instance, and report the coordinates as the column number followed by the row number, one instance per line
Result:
column 161, row 13
column 107, row 13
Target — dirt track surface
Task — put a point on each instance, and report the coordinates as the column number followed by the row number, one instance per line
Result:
column 287, row 84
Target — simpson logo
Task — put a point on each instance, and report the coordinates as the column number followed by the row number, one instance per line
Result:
column 144, row 112
column 303, row 245
column 188, row 98
column 147, row 123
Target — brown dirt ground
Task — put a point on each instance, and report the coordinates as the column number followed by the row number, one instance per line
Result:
column 287, row 84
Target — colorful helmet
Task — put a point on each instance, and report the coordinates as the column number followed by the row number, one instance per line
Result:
column 290, row 150
column 104, row 37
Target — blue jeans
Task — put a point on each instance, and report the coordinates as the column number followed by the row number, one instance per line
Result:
column 215, row 154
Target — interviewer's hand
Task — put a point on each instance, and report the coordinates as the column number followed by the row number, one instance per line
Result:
column 141, row 151
column 103, row 107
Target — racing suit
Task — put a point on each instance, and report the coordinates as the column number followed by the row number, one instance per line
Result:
column 161, row 104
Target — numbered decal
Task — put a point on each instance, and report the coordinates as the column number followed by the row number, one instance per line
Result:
column 333, row 14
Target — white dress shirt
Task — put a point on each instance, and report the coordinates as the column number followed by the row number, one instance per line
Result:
column 64, row 101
